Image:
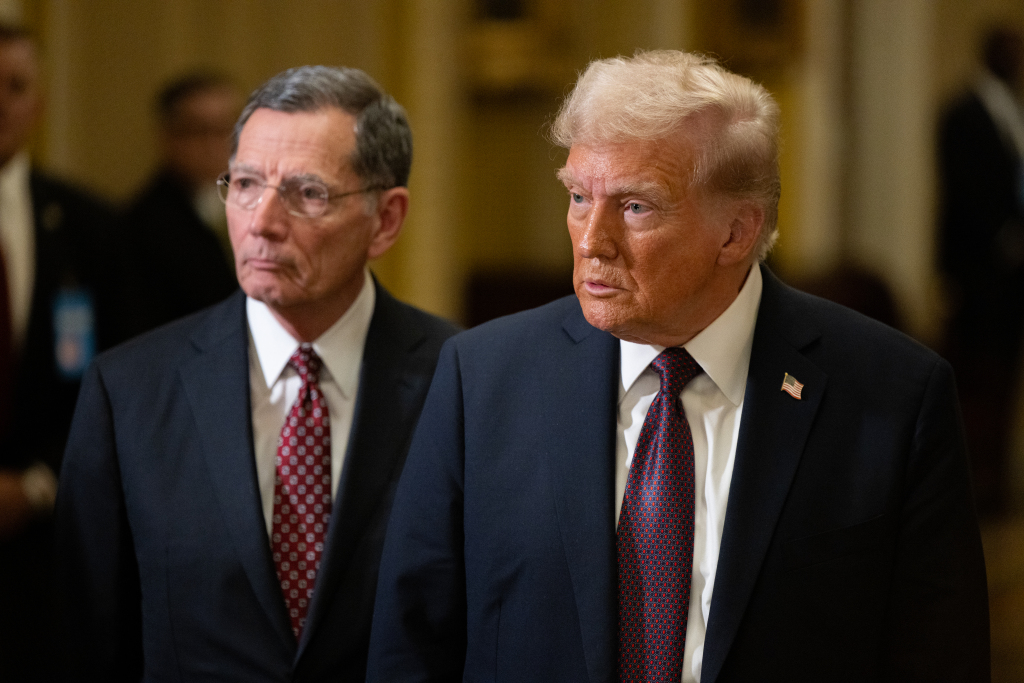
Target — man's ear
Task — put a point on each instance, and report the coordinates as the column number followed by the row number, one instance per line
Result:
column 392, row 206
column 746, row 221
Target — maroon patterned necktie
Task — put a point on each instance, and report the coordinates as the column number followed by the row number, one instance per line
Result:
column 302, row 490
column 655, row 535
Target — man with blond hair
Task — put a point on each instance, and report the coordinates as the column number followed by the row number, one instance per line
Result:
column 688, row 471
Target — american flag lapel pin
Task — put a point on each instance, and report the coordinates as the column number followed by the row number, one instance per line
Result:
column 791, row 386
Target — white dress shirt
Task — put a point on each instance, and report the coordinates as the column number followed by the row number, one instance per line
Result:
column 274, row 384
column 713, row 404
column 18, row 241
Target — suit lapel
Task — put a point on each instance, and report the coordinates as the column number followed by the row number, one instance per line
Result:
column 583, row 462
column 772, row 435
column 217, row 386
column 390, row 379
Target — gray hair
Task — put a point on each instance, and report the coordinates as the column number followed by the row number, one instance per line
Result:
column 653, row 94
column 383, row 154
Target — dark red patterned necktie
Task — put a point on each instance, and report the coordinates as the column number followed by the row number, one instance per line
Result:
column 655, row 535
column 302, row 490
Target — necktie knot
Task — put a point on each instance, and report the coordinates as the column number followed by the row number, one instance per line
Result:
column 307, row 363
column 676, row 367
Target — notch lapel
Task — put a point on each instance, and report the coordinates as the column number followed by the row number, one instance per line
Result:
column 391, row 378
column 216, row 384
column 772, row 435
column 584, row 397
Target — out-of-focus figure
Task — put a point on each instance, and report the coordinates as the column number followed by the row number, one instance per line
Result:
column 981, row 147
column 54, row 315
column 175, row 232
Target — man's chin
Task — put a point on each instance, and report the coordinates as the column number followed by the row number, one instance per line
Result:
column 602, row 314
column 269, row 293
column 616, row 320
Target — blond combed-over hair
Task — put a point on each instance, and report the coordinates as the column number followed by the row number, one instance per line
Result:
column 655, row 93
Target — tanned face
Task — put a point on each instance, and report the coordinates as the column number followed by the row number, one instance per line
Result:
column 655, row 260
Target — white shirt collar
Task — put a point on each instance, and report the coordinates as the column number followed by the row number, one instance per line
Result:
column 17, row 239
column 340, row 347
column 722, row 349
column 16, row 172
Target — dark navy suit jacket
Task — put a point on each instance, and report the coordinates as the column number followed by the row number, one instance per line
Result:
column 850, row 550
column 165, row 563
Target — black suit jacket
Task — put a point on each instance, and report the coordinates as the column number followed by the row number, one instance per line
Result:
column 72, row 240
column 72, row 237
column 173, row 263
column 165, row 564
column 850, row 550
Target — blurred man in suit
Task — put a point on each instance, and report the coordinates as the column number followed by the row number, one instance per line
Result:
column 229, row 477
column 54, row 313
column 175, row 231
column 981, row 167
column 688, row 471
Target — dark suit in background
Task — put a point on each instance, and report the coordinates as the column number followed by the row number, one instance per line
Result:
column 177, row 264
column 849, row 551
column 72, row 256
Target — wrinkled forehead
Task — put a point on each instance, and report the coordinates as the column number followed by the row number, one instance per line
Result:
column 276, row 143
column 343, row 124
column 662, row 166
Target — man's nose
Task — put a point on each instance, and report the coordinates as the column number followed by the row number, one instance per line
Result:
column 269, row 217
column 598, row 233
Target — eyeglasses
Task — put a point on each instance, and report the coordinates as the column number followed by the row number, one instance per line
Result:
column 302, row 197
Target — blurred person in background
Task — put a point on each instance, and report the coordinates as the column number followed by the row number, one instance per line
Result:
column 178, row 256
column 981, row 148
column 54, row 314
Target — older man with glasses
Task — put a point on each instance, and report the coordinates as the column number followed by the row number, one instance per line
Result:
column 229, row 477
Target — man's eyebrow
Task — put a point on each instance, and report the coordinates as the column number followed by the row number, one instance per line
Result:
column 305, row 177
column 641, row 188
column 245, row 168
column 566, row 176
column 300, row 177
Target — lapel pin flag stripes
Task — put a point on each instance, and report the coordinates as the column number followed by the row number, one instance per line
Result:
column 791, row 386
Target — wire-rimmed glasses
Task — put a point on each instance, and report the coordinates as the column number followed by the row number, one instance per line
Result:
column 303, row 197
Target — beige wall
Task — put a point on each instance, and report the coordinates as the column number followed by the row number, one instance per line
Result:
column 107, row 58
column 959, row 23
